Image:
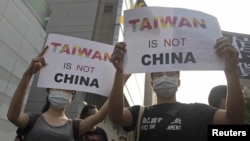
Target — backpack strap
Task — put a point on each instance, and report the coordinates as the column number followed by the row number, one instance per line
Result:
column 138, row 125
column 33, row 121
column 75, row 127
column 135, row 134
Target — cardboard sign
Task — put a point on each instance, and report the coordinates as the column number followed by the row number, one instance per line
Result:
column 162, row 38
column 77, row 64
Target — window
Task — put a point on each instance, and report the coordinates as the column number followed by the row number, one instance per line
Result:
column 108, row 9
column 40, row 9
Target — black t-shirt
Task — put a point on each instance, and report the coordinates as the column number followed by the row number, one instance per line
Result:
column 190, row 122
column 96, row 135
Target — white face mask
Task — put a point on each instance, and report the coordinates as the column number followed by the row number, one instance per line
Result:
column 165, row 86
column 59, row 99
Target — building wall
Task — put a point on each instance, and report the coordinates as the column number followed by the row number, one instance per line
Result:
column 73, row 17
column 21, row 38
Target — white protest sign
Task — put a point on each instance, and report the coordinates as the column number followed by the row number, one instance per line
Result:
column 77, row 64
column 162, row 38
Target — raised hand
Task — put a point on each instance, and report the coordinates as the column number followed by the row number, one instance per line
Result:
column 118, row 56
column 224, row 47
column 37, row 63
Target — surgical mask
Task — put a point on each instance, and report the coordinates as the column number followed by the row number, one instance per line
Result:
column 59, row 99
column 165, row 86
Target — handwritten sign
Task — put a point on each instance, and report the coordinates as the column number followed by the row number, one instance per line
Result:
column 77, row 64
column 161, row 39
column 242, row 43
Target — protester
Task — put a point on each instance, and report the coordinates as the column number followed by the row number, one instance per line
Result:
column 97, row 133
column 170, row 119
column 217, row 96
column 52, row 124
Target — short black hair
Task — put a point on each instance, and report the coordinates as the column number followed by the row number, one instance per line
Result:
column 178, row 74
column 48, row 91
column 85, row 111
column 216, row 94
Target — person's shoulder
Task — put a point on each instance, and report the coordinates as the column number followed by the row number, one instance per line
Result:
column 197, row 105
column 32, row 113
column 135, row 107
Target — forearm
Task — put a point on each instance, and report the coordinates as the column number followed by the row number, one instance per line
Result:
column 17, row 100
column 235, row 106
column 91, row 121
column 116, row 98
column 102, row 113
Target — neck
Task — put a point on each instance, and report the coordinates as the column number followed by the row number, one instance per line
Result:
column 162, row 100
column 56, row 113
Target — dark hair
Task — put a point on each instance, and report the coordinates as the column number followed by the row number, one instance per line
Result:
column 85, row 111
column 216, row 94
column 19, row 134
column 48, row 91
column 178, row 74
column 46, row 106
column 141, row 2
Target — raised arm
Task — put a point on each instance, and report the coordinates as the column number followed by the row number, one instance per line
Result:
column 15, row 113
column 91, row 121
column 235, row 107
column 117, row 113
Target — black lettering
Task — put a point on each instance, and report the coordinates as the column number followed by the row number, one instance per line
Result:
column 177, row 58
column 166, row 58
column 57, row 77
column 189, row 57
column 159, row 59
column 67, row 66
column 84, row 80
column 94, row 83
column 68, row 78
column 152, row 43
column 155, row 59
column 76, row 79
column 143, row 60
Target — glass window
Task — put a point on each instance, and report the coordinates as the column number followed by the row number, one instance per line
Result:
column 108, row 9
column 5, row 77
column 40, row 9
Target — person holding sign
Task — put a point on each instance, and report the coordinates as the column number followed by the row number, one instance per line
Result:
column 52, row 124
column 170, row 119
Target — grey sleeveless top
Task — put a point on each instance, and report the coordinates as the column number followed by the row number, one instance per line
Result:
column 42, row 131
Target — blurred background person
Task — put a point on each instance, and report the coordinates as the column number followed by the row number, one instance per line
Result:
column 217, row 96
column 97, row 133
